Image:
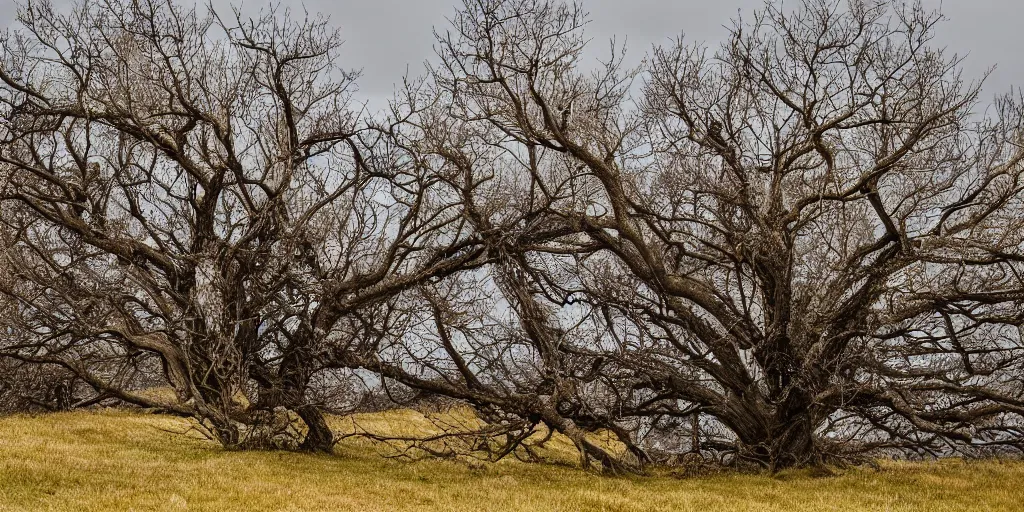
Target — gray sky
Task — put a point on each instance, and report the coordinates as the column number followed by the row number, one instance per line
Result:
column 384, row 38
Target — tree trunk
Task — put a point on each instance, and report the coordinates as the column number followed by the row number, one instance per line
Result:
column 792, row 443
column 294, row 375
column 225, row 431
column 774, row 437
column 319, row 438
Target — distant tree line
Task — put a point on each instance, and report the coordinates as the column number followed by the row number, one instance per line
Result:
column 801, row 247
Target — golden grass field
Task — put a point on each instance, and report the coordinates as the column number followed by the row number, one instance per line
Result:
column 116, row 460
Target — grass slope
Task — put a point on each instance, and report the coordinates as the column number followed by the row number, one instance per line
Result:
column 115, row 460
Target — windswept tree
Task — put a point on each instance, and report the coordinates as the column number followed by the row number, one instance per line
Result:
column 196, row 199
column 813, row 232
column 804, row 244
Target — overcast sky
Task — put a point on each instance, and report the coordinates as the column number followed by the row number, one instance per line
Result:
column 384, row 38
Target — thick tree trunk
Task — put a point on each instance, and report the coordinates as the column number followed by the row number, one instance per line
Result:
column 294, row 376
column 792, row 443
column 319, row 437
column 774, row 437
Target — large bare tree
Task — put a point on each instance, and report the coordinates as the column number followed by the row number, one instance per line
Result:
column 804, row 244
column 810, row 232
column 196, row 194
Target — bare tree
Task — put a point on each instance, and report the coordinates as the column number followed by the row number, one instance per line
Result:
column 806, row 229
column 199, row 197
column 805, row 244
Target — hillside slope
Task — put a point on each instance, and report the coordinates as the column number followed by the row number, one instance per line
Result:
column 116, row 460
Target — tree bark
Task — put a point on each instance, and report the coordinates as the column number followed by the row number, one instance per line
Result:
column 319, row 438
column 776, row 437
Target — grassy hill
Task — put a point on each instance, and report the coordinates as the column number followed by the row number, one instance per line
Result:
column 115, row 460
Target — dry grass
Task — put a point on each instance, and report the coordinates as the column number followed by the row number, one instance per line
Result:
column 402, row 423
column 122, row 461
